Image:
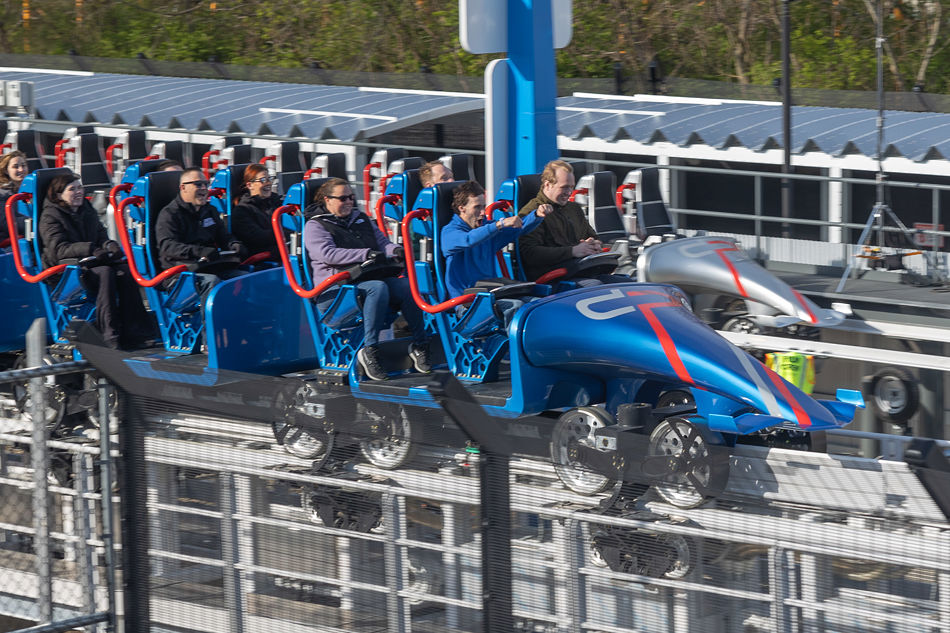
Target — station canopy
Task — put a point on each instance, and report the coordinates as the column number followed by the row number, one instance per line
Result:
column 360, row 113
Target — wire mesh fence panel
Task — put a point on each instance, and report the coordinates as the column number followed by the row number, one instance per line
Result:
column 73, row 557
column 385, row 523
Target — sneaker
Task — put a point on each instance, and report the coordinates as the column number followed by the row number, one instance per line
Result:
column 420, row 357
column 369, row 363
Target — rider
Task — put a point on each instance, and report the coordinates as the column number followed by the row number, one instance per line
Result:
column 469, row 244
column 565, row 234
column 434, row 172
column 70, row 229
column 250, row 219
column 13, row 169
column 337, row 236
column 189, row 229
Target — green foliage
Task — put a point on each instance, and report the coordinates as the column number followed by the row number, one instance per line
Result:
column 737, row 40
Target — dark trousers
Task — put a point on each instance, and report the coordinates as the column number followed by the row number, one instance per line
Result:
column 119, row 307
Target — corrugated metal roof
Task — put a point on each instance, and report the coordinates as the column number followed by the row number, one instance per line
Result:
column 753, row 125
column 355, row 113
column 233, row 107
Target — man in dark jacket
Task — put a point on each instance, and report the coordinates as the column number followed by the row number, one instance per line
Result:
column 189, row 229
column 565, row 233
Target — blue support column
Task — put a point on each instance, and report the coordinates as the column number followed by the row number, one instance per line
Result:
column 532, row 94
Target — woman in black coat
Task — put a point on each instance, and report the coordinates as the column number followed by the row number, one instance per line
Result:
column 70, row 231
column 251, row 217
column 13, row 169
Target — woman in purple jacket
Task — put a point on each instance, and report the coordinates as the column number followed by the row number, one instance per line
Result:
column 337, row 236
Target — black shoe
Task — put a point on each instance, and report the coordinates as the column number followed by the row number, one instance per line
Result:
column 420, row 357
column 369, row 363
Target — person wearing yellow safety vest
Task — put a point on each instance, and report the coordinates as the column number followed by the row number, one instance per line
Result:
column 795, row 367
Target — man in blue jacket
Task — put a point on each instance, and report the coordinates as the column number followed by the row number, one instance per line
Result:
column 469, row 243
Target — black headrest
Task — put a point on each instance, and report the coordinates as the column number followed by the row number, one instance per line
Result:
column 528, row 187
column 135, row 145
column 175, row 150
column 288, row 152
column 43, row 178
column 605, row 188
column 649, row 184
column 335, row 165
column 462, row 166
column 392, row 153
column 91, row 165
column 84, row 129
column 236, row 179
column 413, row 162
column 413, row 187
column 162, row 189
column 242, row 154
column 148, row 166
column 233, row 140
column 442, row 214
column 653, row 218
column 28, row 142
column 4, row 126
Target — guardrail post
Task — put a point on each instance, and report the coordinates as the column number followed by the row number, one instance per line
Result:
column 233, row 596
column 39, row 460
column 105, row 486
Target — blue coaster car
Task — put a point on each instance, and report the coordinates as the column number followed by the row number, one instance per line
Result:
column 236, row 312
column 622, row 346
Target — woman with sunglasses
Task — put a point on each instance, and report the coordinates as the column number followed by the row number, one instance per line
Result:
column 13, row 170
column 250, row 219
column 337, row 236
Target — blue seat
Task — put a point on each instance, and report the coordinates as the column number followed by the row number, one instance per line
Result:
column 476, row 342
column 64, row 297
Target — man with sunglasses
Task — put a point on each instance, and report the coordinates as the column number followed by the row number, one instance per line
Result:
column 189, row 229
column 337, row 236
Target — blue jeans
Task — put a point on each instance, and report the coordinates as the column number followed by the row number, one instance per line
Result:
column 379, row 296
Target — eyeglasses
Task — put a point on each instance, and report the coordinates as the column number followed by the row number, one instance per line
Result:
column 350, row 196
column 199, row 184
column 264, row 179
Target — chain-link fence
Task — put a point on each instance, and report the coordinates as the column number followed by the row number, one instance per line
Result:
column 56, row 530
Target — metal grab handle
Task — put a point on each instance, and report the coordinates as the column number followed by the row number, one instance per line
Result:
column 423, row 214
column 119, row 215
column 299, row 290
column 15, row 242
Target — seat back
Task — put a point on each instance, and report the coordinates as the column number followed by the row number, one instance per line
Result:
column 462, row 165
column 173, row 150
column 28, row 142
column 235, row 155
column 601, row 205
column 230, row 179
column 37, row 184
column 133, row 143
column 158, row 188
column 652, row 216
column 407, row 185
column 92, row 168
column 331, row 165
column 442, row 214
column 303, row 193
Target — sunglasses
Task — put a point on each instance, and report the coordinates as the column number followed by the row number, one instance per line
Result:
column 199, row 184
column 350, row 196
column 263, row 179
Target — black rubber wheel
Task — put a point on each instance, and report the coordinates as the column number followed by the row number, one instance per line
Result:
column 894, row 395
